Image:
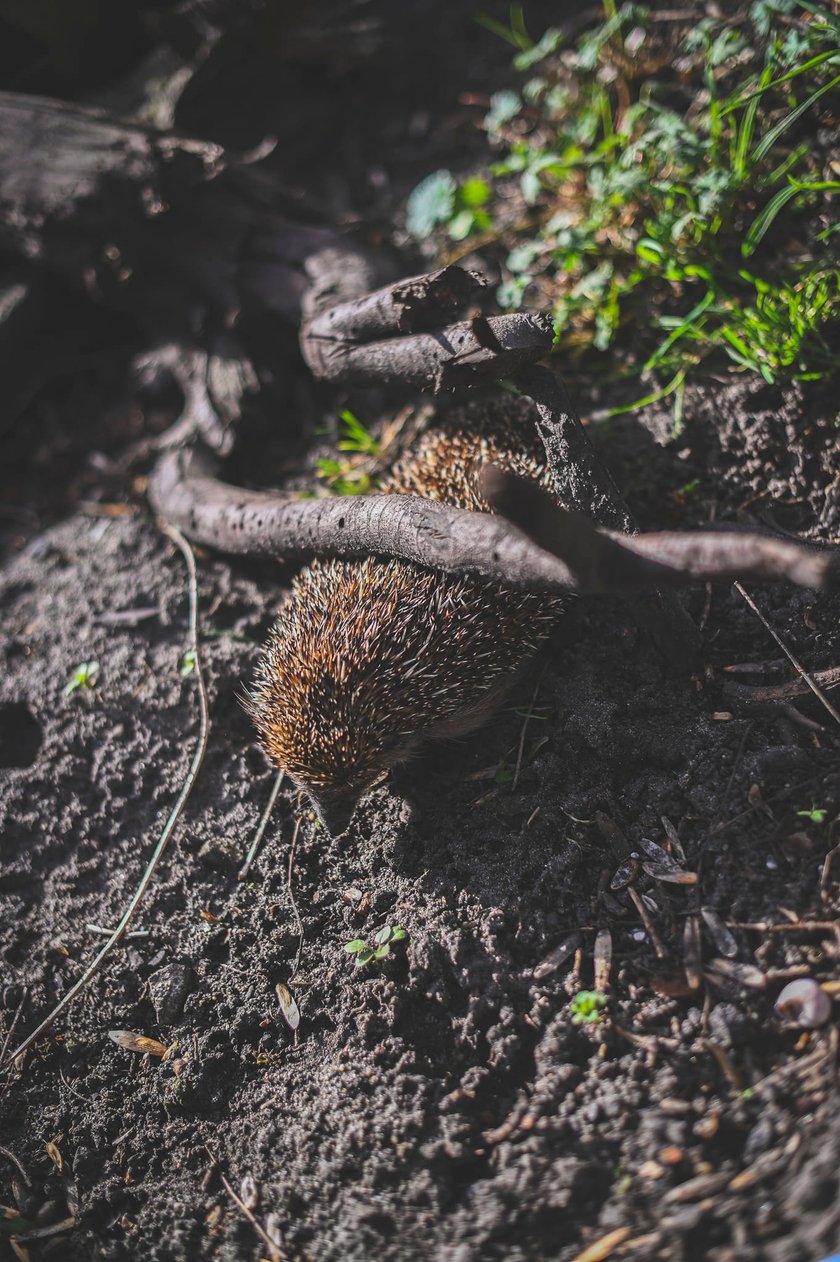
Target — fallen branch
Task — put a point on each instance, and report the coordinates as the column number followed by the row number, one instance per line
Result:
column 764, row 693
column 568, row 553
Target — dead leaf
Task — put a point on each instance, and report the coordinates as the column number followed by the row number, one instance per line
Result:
column 54, row 1154
column 288, row 1006
column 249, row 1192
column 137, row 1043
column 602, row 1248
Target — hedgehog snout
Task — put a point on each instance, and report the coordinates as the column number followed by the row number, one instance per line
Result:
column 334, row 808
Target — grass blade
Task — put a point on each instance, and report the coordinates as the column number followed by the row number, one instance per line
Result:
column 764, row 219
column 765, row 145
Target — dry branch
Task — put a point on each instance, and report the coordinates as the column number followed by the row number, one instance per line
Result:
column 401, row 332
column 578, row 555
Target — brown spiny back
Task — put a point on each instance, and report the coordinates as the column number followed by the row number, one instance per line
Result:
column 368, row 658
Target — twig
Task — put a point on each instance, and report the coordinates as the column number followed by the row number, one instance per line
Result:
column 760, row 693
column 261, row 827
column 795, row 663
column 84, row 1099
column 647, row 921
column 825, row 874
column 11, row 1029
column 295, row 836
column 521, row 748
column 104, row 932
column 10, row 1156
column 274, row 1246
column 174, row 815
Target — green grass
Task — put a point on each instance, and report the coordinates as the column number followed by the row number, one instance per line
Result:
column 349, row 476
column 667, row 202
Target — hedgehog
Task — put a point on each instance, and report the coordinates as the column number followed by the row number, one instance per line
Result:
column 368, row 660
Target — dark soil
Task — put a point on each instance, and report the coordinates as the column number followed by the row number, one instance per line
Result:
column 442, row 1103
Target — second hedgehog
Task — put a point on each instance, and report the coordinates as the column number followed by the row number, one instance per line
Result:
column 369, row 659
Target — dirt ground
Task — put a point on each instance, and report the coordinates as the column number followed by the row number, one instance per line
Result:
column 443, row 1102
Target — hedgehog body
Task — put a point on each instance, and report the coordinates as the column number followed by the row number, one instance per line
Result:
column 369, row 659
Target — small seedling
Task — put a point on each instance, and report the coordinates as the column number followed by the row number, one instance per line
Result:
column 84, row 676
column 438, row 200
column 346, row 477
column 357, row 438
column 187, row 663
column 587, row 1007
column 817, row 814
column 383, row 940
column 688, row 490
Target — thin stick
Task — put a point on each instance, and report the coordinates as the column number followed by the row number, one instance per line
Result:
column 295, row 836
column 10, row 1156
column 7, row 1040
column 261, row 827
column 174, row 815
column 274, row 1246
column 647, row 921
column 797, row 665
column 521, row 750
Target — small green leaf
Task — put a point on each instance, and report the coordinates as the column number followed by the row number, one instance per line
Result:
column 461, row 225
column 358, row 944
column 474, row 192
column 384, row 935
column 817, row 814
column 187, row 663
column 530, row 185
column 432, row 202
column 398, row 933
column 382, row 951
column 364, row 957
column 85, row 675
column 587, row 1006
column 504, row 106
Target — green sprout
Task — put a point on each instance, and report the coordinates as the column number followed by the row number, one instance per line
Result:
column 688, row 490
column 587, row 1007
column 379, row 949
column 817, row 814
column 440, row 201
column 85, row 675
column 188, row 663
column 346, row 477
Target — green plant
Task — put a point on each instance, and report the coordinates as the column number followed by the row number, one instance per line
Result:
column 188, row 663
column 349, row 476
column 587, row 1007
column 817, row 814
column 84, row 676
column 440, row 200
column 675, row 217
column 379, row 948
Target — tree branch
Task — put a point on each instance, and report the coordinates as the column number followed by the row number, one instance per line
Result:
column 581, row 558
